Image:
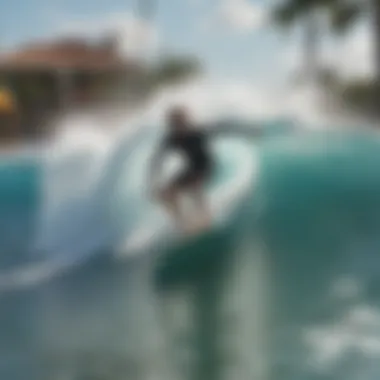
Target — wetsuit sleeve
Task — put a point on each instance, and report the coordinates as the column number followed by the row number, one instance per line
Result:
column 247, row 130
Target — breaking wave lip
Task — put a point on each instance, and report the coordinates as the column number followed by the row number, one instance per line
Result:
column 96, row 234
column 50, row 253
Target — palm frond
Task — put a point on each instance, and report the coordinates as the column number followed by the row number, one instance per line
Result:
column 290, row 11
column 285, row 15
column 343, row 16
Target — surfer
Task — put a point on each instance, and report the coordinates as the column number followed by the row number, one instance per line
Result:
column 192, row 143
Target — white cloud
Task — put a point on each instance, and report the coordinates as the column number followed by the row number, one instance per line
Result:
column 136, row 36
column 239, row 15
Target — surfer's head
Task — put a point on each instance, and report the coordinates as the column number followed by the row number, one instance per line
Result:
column 178, row 119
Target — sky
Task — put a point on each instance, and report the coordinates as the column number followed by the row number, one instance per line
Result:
column 233, row 38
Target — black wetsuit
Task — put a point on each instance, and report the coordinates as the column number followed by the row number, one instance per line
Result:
column 193, row 144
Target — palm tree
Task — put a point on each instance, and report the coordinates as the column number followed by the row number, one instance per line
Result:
column 348, row 13
column 146, row 10
column 341, row 13
column 292, row 12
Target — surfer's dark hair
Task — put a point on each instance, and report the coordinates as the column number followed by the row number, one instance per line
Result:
column 177, row 112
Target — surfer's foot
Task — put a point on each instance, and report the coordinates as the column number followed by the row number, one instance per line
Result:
column 204, row 223
column 187, row 229
column 196, row 227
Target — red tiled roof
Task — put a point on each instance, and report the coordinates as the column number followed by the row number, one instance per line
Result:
column 74, row 55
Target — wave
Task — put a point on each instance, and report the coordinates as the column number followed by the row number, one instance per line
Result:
column 76, row 219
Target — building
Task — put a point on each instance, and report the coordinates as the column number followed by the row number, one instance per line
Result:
column 53, row 76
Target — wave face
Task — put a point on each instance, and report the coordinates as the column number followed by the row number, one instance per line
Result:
column 288, row 278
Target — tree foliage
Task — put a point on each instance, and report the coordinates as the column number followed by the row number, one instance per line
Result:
column 361, row 97
column 174, row 69
column 342, row 14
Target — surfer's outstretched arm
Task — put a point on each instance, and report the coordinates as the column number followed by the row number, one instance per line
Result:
column 155, row 168
column 249, row 131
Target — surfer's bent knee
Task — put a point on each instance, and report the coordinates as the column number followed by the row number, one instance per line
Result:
column 168, row 194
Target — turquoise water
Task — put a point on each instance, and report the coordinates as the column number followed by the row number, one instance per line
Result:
column 320, row 222
column 20, row 193
column 292, row 275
